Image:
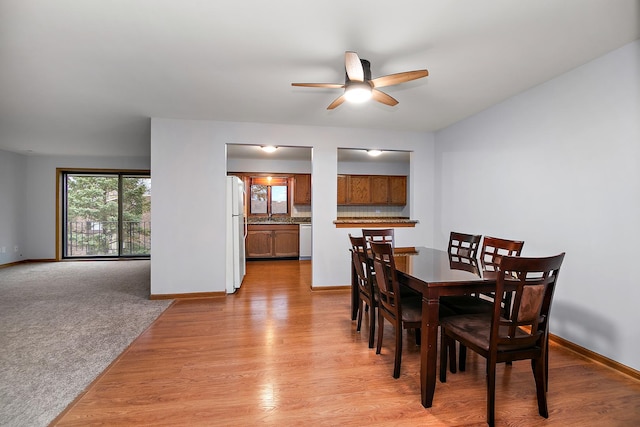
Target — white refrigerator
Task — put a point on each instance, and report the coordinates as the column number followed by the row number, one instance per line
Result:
column 236, row 233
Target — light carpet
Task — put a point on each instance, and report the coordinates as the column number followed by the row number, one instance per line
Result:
column 61, row 325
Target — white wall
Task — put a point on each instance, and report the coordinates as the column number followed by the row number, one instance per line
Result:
column 13, row 203
column 559, row 167
column 188, row 159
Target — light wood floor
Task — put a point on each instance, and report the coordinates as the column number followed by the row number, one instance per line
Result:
column 279, row 354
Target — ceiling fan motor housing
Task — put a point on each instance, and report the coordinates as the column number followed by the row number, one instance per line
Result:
column 366, row 68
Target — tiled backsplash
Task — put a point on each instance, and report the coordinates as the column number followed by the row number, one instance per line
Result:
column 354, row 211
column 301, row 210
column 370, row 211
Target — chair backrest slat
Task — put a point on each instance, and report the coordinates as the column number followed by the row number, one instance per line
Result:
column 464, row 245
column 380, row 235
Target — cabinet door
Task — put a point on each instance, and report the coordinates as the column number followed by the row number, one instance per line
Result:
column 358, row 190
column 302, row 189
column 342, row 189
column 259, row 244
column 398, row 190
column 286, row 242
column 379, row 190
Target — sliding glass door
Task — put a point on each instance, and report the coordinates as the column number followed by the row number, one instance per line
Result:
column 106, row 215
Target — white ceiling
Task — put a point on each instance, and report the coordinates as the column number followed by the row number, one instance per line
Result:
column 83, row 77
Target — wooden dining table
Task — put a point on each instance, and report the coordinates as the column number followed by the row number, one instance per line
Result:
column 435, row 273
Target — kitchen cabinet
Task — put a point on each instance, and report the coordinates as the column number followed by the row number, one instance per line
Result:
column 398, row 190
column 342, row 189
column 272, row 241
column 379, row 189
column 372, row 190
column 302, row 189
column 358, row 190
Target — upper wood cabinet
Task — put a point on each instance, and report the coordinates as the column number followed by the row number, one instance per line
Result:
column 358, row 190
column 302, row 189
column 397, row 190
column 379, row 189
column 372, row 190
column 342, row 189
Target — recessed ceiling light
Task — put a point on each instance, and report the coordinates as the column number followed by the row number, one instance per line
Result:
column 269, row 148
column 374, row 153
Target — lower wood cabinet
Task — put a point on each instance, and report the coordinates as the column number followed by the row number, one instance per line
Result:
column 272, row 241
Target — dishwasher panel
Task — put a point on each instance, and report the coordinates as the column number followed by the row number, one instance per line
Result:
column 305, row 241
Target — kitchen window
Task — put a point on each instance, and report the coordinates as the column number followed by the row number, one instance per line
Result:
column 269, row 196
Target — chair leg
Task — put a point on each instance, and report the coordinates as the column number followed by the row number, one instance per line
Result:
column 372, row 327
column 452, row 354
column 546, row 363
column 398, row 356
column 380, row 331
column 539, row 375
column 360, row 304
column 491, row 391
column 463, row 358
column 418, row 336
column 444, row 349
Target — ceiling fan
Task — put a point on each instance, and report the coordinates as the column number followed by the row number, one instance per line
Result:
column 359, row 86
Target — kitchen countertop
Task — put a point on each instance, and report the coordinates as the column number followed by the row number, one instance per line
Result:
column 350, row 222
column 279, row 220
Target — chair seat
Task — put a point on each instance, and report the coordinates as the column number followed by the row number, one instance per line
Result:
column 476, row 328
column 412, row 310
column 466, row 304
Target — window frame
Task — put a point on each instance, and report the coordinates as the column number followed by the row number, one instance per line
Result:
column 61, row 206
column 263, row 179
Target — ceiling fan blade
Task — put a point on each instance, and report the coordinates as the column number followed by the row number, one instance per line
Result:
column 380, row 96
column 353, row 65
column 394, row 79
column 339, row 100
column 328, row 85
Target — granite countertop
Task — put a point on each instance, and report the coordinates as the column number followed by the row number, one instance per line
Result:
column 279, row 220
column 400, row 221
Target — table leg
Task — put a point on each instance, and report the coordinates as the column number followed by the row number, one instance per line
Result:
column 429, row 350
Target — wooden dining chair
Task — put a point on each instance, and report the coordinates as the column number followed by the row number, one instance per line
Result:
column 517, row 334
column 493, row 249
column 402, row 313
column 367, row 294
column 463, row 250
column 463, row 246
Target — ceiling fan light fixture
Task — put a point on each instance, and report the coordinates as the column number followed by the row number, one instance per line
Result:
column 374, row 153
column 358, row 92
column 269, row 148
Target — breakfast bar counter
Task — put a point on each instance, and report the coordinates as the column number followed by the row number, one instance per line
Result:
column 373, row 222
